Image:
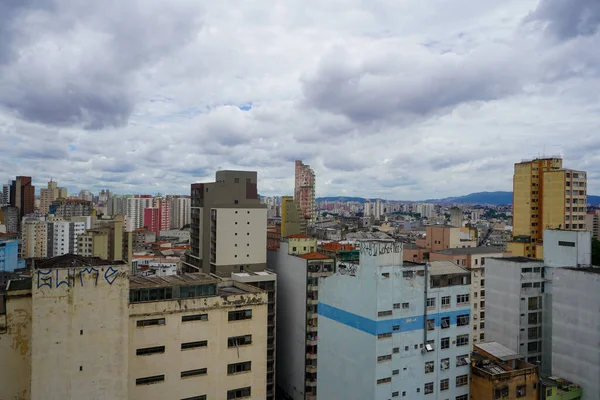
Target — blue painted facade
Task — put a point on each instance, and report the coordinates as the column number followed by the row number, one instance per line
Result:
column 372, row 338
column 9, row 256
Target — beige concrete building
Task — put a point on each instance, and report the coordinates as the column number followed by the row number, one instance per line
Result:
column 472, row 259
column 104, row 241
column 82, row 329
column 35, row 238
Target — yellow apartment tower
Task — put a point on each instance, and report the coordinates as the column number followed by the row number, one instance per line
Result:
column 545, row 196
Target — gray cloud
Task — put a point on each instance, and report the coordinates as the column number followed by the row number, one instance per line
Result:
column 567, row 19
column 77, row 64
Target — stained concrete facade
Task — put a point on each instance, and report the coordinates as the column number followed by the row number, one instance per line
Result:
column 514, row 305
column 82, row 329
column 387, row 331
column 576, row 328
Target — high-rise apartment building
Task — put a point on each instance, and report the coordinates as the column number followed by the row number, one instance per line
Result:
column 292, row 221
column 34, row 235
column 67, row 208
column 368, row 209
column 47, row 196
column 545, row 196
column 135, row 210
column 299, row 268
column 9, row 217
column 592, row 223
column 228, row 237
column 180, row 210
column 5, row 195
column 152, row 219
column 304, row 190
column 81, row 328
column 22, row 195
column 388, row 330
column 105, row 240
column 62, row 237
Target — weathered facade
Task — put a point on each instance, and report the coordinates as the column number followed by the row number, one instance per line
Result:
column 81, row 329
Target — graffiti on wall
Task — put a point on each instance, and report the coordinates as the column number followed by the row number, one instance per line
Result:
column 68, row 276
column 378, row 248
column 348, row 269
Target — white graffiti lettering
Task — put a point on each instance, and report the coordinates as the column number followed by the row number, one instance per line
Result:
column 375, row 249
column 349, row 270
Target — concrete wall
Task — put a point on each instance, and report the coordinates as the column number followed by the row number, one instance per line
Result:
column 576, row 329
column 15, row 346
column 241, row 236
column 215, row 357
column 79, row 332
column 507, row 309
column 349, row 325
column 291, row 320
column 567, row 248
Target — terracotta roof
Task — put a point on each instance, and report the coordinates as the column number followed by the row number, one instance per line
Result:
column 335, row 246
column 313, row 256
column 299, row 236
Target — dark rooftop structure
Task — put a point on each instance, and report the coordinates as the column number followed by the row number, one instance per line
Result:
column 19, row 284
column 520, row 259
column 170, row 280
column 74, row 260
column 471, row 250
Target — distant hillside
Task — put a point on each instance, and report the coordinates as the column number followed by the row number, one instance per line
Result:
column 491, row 198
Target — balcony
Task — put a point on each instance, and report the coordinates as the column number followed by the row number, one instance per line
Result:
column 312, row 288
column 311, row 369
column 312, row 301
column 311, row 356
column 311, row 383
column 312, row 328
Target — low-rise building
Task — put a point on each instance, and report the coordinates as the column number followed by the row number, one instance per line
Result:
column 555, row 388
column 81, row 328
column 498, row 373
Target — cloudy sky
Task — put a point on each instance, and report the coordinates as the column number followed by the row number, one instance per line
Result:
column 402, row 99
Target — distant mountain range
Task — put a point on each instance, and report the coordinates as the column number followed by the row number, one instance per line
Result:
column 490, row 198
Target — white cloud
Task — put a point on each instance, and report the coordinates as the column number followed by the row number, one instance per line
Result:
column 405, row 100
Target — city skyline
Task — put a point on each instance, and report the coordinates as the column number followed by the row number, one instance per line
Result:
column 404, row 101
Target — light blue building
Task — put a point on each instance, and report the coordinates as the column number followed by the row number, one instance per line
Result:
column 9, row 256
column 390, row 331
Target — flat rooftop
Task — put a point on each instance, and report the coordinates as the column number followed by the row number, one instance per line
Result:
column 471, row 250
column 446, row 268
column 199, row 278
column 497, row 350
column 73, row 261
column 519, row 259
column 590, row 270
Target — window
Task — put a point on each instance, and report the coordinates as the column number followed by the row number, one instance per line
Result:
column 405, row 306
column 462, row 320
column 526, row 270
column 395, row 394
column 396, row 372
column 386, row 313
column 239, row 393
column 462, row 360
column 195, row 317
column 429, row 367
column 238, row 368
column 150, row 350
column 532, row 319
column 446, row 301
column 462, row 340
column 236, row 341
column 431, row 302
column 430, row 324
column 481, row 336
column 444, row 364
column 240, row 315
column 396, row 305
column 386, row 357
column 533, row 346
column 151, row 322
column 444, row 384
column 533, row 303
column 385, row 275
column 533, row 333
column 446, row 343
column 407, row 274
column 150, row 380
column 501, row 392
column 384, row 380
column 396, row 350
column 462, row 380
column 396, row 327
column 521, row 391
column 384, row 335
column 429, row 388
column 193, row 372
column 445, row 322
column 194, row 345
column 462, row 298
column 566, row 244
column 462, row 397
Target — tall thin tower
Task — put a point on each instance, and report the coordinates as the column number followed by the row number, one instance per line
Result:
column 304, row 190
